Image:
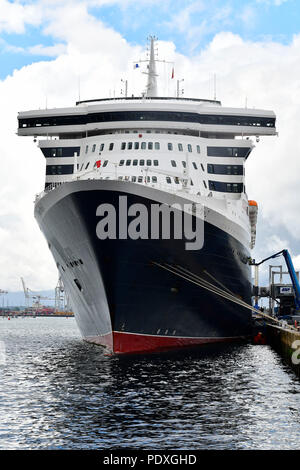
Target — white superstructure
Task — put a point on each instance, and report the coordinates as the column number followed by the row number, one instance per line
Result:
column 178, row 145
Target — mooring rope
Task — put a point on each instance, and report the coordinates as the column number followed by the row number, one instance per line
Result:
column 198, row 281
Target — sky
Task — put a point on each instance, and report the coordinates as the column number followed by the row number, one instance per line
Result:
column 48, row 47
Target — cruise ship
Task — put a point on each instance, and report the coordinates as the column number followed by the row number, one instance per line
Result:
column 136, row 285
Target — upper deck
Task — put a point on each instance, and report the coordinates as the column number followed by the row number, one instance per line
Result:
column 203, row 116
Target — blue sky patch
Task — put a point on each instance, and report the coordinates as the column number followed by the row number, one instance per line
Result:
column 191, row 25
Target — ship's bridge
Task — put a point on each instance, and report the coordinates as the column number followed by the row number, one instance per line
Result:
column 204, row 117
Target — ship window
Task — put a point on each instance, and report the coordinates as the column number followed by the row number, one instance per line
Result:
column 148, row 179
column 94, row 148
column 150, row 145
column 86, row 149
column 202, row 167
column 157, row 145
column 123, row 145
column 128, row 162
column 170, row 146
column 111, row 146
column 168, row 179
column 189, row 148
column 173, row 163
column 191, row 181
column 225, row 169
column 143, row 145
column 198, row 148
column 101, row 148
column 87, row 165
column 135, row 162
column 105, row 163
column 56, row 152
column 180, row 147
column 140, row 179
column 78, row 284
column 205, row 185
column 133, row 179
column 121, row 162
column 142, row 162
column 59, row 169
column 149, row 162
column 195, row 166
column 173, row 116
column 129, row 145
column 183, row 164
column 126, row 178
column 155, row 162
column 228, row 151
column 136, row 145
column 176, row 179
column 154, row 179
column 226, row 187
column 81, row 167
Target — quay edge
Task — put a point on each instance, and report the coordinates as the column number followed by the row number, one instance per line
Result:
column 287, row 343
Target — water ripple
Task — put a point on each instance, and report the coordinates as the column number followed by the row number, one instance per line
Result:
column 57, row 392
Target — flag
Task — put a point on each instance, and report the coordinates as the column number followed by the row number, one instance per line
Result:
column 172, row 72
column 98, row 163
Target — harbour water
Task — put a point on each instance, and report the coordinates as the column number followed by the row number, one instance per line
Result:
column 57, row 392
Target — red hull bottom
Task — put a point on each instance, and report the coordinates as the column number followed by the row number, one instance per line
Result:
column 128, row 343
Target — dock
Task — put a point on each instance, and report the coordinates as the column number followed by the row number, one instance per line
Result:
column 286, row 341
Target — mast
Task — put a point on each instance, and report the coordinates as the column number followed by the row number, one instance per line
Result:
column 152, row 81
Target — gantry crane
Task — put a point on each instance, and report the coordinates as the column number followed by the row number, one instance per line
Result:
column 29, row 294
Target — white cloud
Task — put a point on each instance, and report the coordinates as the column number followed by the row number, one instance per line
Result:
column 296, row 262
column 248, row 15
column 14, row 16
column 276, row 3
column 267, row 73
column 183, row 20
column 50, row 51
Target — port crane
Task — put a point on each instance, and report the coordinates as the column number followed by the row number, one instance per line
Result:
column 291, row 270
column 29, row 294
column 61, row 300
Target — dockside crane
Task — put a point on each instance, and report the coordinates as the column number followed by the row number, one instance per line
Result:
column 291, row 271
column 29, row 294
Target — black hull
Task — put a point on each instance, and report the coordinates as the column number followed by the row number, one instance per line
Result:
column 125, row 302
